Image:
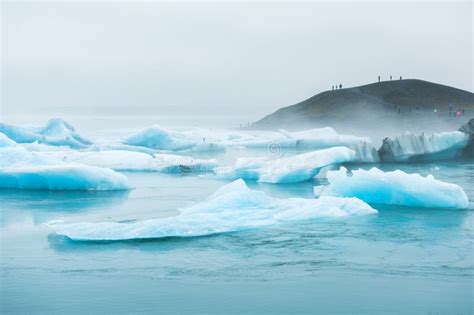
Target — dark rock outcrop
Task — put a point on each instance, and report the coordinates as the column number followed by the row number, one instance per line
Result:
column 468, row 128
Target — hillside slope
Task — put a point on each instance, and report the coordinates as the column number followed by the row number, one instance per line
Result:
column 394, row 103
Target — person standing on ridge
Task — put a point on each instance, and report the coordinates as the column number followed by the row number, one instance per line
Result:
column 340, row 86
column 379, row 78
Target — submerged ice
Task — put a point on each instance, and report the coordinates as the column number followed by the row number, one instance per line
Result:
column 394, row 188
column 234, row 207
column 293, row 169
column 21, row 169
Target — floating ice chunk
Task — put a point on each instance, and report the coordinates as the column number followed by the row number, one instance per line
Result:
column 234, row 207
column 293, row 169
column 158, row 138
column 321, row 138
column 204, row 147
column 56, row 132
column 121, row 160
column 20, row 169
column 62, row 177
column 436, row 146
column 394, row 188
column 246, row 167
column 303, row 167
column 5, row 141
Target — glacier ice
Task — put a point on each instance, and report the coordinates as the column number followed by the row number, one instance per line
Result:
column 123, row 160
column 394, row 188
column 20, row 169
column 158, row 138
column 5, row 141
column 56, row 132
column 233, row 207
column 202, row 140
column 321, row 138
column 293, row 169
column 437, row 146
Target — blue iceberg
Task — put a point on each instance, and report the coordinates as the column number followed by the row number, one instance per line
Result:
column 234, row 207
column 293, row 169
column 158, row 138
column 20, row 169
column 56, row 132
column 394, row 188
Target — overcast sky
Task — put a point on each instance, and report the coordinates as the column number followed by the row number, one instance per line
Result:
column 227, row 58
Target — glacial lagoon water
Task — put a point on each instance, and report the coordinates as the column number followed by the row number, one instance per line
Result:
column 402, row 260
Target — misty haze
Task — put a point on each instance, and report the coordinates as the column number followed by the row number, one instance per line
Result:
column 236, row 157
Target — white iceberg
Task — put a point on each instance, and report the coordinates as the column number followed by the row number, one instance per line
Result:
column 394, row 188
column 20, row 169
column 57, row 132
column 121, row 160
column 293, row 169
column 437, row 146
column 234, row 207
column 321, row 138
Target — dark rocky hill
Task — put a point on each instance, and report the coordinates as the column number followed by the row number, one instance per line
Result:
column 398, row 103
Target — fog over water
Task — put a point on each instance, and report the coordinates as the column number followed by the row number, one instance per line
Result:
column 241, row 60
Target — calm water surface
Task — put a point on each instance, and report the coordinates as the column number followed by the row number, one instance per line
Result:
column 403, row 260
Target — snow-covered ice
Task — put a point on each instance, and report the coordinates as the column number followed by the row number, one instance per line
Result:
column 234, row 207
column 394, row 188
column 21, row 169
column 56, row 132
column 293, row 169
column 424, row 147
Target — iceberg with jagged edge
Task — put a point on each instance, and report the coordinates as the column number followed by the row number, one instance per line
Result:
column 425, row 147
column 293, row 169
column 21, row 169
column 56, row 132
column 394, row 188
column 234, row 207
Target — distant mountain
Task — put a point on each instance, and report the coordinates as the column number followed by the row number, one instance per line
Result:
column 397, row 103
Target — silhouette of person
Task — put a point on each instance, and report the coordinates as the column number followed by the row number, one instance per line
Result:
column 379, row 78
column 400, row 78
column 340, row 86
column 390, row 78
